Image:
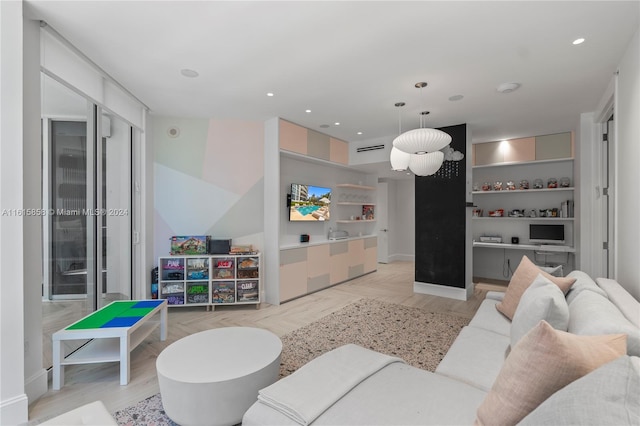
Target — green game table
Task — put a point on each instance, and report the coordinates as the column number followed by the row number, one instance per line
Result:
column 114, row 331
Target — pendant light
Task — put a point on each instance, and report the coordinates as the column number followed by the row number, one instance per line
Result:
column 399, row 159
column 420, row 142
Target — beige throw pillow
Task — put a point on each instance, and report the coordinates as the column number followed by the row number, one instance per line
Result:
column 522, row 278
column 544, row 361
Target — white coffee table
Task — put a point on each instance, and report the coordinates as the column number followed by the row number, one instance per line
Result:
column 213, row 377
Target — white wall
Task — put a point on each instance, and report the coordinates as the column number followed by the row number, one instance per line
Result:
column 13, row 400
column 402, row 220
column 627, row 111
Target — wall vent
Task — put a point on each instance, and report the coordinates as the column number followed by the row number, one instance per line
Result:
column 370, row 148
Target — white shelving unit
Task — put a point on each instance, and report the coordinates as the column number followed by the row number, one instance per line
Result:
column 486, row 258
column 210, row 280
column 355, row 196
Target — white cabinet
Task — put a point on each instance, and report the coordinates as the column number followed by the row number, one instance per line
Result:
column 520, row 208
column 209, row 280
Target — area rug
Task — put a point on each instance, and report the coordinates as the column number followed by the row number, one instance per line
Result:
column 420, row 338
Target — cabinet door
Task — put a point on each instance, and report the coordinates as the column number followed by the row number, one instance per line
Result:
column 293, row 273
column 318, row 269
column 339, row 262
column 370, row 254
column 356, row 258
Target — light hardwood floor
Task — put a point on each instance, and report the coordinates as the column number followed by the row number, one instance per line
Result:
column 85, row 383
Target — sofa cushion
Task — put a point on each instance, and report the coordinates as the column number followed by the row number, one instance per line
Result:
column 522, row 278
column 488, row 318
column 495, row 295
column 475, row 357
column 583, row 282
column 544, row 361
column 543, row 300
column 620, row 297
column 592, row 314
column 398, row 394
column 607, row 395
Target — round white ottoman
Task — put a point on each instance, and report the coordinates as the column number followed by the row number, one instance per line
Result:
column 213, row 377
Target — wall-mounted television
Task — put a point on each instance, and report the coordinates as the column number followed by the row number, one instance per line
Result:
column 546, row 234
column 309, row 203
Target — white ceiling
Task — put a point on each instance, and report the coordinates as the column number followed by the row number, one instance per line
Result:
column 350, row 62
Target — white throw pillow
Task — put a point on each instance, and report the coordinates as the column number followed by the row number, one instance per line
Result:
column 555, row 271
column 543, row 300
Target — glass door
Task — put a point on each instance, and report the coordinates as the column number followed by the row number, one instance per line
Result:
column 87, row 181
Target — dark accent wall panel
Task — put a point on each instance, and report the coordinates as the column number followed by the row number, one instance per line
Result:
column 440, row 203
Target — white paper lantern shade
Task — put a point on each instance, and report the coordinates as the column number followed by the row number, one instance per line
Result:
column 426, row 164
column 422, row 140
column 399, row 160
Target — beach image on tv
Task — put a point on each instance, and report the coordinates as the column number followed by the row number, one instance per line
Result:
column 309, row 203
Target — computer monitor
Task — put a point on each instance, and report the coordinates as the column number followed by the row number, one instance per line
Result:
column 546, row 234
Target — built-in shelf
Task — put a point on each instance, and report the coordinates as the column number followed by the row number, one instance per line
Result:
column 537, row 248
column 351, row 203
column 522, row 163
column 354, row 221
column 516, row 191
column 353, row 186
column 550, row 219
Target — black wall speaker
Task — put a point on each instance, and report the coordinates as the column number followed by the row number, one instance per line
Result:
column 515, row 240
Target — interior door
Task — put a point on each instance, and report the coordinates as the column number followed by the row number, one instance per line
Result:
column 382, row 207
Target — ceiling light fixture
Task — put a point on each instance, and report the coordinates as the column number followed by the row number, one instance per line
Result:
column 270, row 94
column 578, row 41
column 423, row 145
column 308, row 111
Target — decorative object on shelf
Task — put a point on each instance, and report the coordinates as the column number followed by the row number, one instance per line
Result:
column 367, row 212
column 497, row 186
column 496, row 213
column 486, row 186
column 515, row 240
column 537, row 184
column 511, row 185
column 477, row 212
column 423, row 145
column 524, row 184
column 552, row 183
column 565, row 182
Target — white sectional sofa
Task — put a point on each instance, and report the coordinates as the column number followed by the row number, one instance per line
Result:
column 492, row 373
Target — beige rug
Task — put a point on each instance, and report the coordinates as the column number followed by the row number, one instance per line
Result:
column 420, row 338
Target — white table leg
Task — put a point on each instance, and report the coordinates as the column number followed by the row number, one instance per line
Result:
column 164, row 320
column 124, row 359
column 58, row 369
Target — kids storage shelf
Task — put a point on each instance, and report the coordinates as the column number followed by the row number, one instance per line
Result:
column 210, row 280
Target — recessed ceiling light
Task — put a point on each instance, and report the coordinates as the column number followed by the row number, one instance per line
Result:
column 455, row 98
column 337, row 123
column 508, row 87
column 270, row 94
column 578, row 41
column 359, row 133
column 189, row 73
column 308, row 111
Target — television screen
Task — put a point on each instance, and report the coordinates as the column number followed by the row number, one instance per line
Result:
column 309, row 203
column 546, row 234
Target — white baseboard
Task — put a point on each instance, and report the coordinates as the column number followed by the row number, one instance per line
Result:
column 37, row 385
column 402, row 258
column 443, row 290
column 15, row 411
